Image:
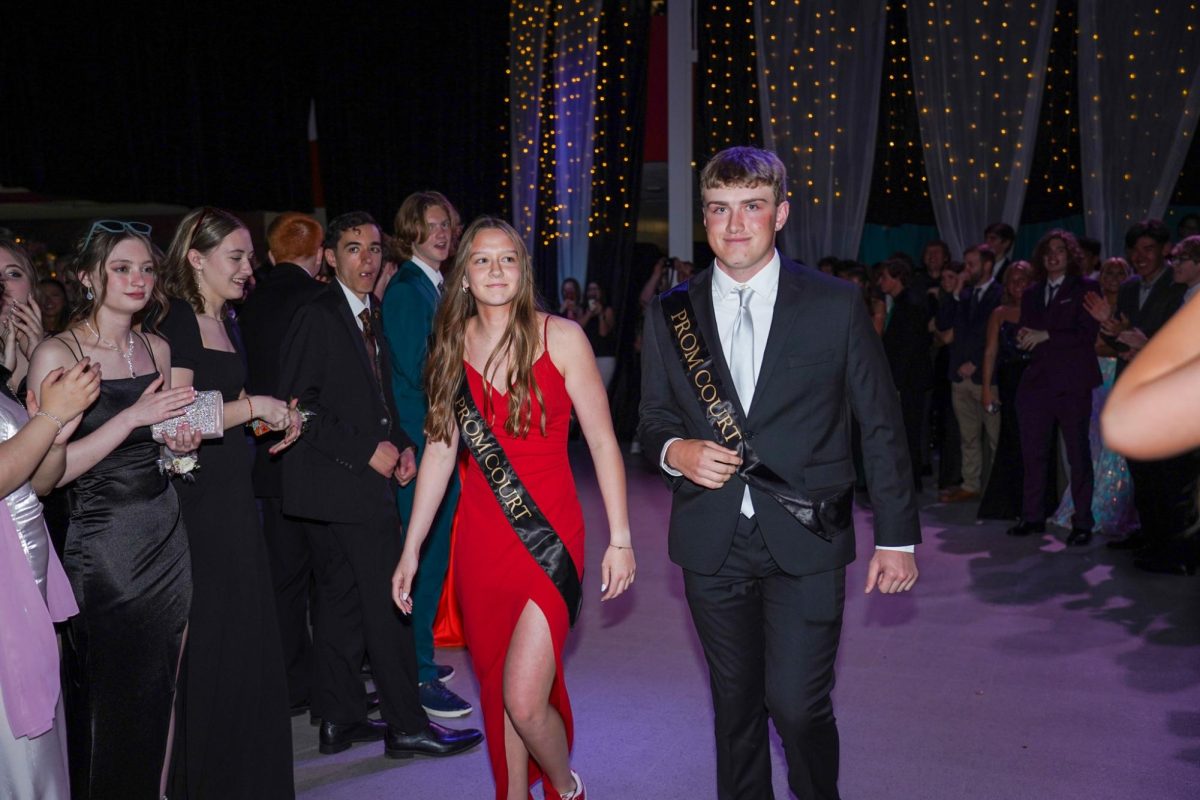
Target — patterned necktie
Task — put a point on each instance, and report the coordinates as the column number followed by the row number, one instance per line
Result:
column 368, row 332
column 741, row 349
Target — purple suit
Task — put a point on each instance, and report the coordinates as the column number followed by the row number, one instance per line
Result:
column 1056, row 387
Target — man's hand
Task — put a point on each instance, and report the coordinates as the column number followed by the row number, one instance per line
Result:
column 1114, row 325
column 406, row 468
column 384, row 459
column 702, row 462
column 966, row 369
column 1134, row 338
column 1028, row 338
column 892, row 571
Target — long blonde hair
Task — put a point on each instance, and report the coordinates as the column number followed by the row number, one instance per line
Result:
column 444, row 366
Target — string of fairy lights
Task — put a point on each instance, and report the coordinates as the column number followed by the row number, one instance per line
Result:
column 561, row 69
column 727, row 55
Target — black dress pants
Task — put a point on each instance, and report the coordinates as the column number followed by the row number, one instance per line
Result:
column 770, row 640
column 353, row 565
column 291, row 574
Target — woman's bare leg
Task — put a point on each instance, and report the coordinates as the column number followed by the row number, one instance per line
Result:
column 166, row 767
column 529, row 670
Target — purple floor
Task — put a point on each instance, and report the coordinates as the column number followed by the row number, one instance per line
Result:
column 1016, row 669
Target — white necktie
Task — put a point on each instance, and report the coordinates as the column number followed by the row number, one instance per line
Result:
column 741, row 366
column 741, row 349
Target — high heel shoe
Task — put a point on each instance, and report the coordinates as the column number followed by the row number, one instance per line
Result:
column 575, row 794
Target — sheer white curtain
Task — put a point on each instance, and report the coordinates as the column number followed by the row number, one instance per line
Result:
column 1139, row 82
column 577, row 25
column 565, row 32
column 978, row 73
column 820, row 65
column 528, row 21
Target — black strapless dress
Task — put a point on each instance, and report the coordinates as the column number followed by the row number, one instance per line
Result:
column 126, row 555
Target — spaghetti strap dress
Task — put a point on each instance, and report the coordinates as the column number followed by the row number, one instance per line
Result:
column 126, row 556
column 494, row 575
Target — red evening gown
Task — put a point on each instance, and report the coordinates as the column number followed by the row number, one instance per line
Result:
column 495, row 576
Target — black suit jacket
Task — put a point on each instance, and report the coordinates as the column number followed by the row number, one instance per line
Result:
column 1164, row 300
column 907, row 343
column 326, row 365
column 264, row 320
column 823, row 363
column 969, row 319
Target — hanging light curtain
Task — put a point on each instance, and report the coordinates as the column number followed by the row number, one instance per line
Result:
column 820, row 64
column 1139, row 81
column 978, row 71
column 527, row 47
column 575, row 44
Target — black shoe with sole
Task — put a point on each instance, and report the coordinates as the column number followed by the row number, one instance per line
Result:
column 1026, row 528
column 435, row 741
column 1079, row 536
column 336, row 737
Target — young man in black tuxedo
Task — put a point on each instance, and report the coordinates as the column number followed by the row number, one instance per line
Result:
column 791, row 358
column 340, row 479
column 294, row 241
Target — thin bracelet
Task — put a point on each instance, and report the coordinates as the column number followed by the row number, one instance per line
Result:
column 619, row 547
column 251, row 409
column 52, row 418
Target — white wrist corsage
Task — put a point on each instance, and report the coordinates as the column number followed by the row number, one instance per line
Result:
column 182, row 466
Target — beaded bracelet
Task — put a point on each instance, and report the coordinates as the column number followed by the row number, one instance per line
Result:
column 52, row 418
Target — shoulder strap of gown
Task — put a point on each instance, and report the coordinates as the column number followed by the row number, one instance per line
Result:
column 150, row 350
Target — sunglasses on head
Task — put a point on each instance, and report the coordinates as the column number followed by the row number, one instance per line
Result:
column 115, row 226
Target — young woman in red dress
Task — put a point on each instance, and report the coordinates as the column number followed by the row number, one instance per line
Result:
column 524, row 370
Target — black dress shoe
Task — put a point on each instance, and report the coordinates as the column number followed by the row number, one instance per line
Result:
column 1165, row 564
column 436, row 741
column 1134, row 541
column 336, row 737
column 1025, row 528
column 1079, row 536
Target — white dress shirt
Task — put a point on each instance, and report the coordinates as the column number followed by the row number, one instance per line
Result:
column 762, row 309
column 357, row 306
column 434, row 276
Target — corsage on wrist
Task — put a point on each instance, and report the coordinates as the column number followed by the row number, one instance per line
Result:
column 182, row 466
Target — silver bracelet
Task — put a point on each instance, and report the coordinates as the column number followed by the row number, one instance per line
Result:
column 52, row 418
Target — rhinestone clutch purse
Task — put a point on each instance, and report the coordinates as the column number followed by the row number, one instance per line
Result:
column 206, row 414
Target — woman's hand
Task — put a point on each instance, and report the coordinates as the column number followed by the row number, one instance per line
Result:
column 985, row 397
column 616, row 571
column 273, row 411
column 402, row 581
column 64, row 434
column 27, row 321
column 155, row 406
column 185, row 439
column 67, row 393
column 294, row 429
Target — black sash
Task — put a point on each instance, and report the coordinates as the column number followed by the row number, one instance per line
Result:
column 729, row 427
column 530, row 524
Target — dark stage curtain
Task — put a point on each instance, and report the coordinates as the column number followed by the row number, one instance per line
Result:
column 139, row 106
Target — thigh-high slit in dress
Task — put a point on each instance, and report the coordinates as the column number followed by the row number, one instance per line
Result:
column 495, row 576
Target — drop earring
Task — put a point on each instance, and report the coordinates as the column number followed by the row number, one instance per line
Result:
column 89, row 294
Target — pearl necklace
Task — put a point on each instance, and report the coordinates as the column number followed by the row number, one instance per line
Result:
column 127, row 355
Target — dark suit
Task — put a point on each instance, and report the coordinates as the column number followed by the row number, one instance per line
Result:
column 349, row 511
column 1056, row 388
column 906, row 343
column 265, row 318
column 968, row 317
column 766, row 594
column 1160, row 488
column 409, row 305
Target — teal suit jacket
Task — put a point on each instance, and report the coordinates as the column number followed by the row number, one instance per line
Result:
column 409, row 304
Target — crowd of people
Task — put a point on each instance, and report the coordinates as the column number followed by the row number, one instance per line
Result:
column 235, row 446
column 1003, row 366
column 250, row 471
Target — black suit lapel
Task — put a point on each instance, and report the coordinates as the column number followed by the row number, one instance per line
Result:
column 700, row 291
column 787, row 309
column 356, row 335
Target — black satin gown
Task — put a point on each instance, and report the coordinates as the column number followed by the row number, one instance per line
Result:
column 233, row 737
column 1003, row 495
column 126, row 555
